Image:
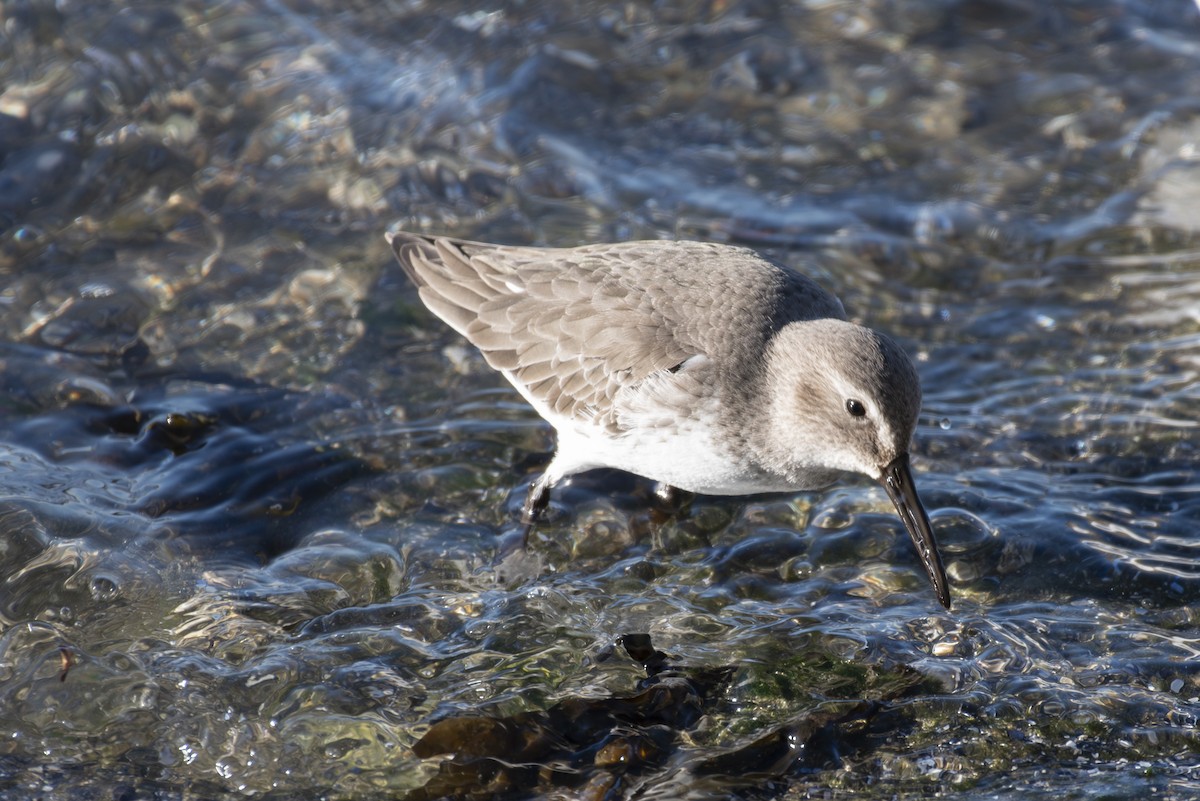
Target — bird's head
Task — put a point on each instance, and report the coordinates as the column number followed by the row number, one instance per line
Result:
column 846, row 398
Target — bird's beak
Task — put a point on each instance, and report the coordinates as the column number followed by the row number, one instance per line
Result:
column 897, row 480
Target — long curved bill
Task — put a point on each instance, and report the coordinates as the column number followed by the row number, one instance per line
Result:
column 897, row 480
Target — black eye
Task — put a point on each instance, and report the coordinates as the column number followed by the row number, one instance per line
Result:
column 855, row 407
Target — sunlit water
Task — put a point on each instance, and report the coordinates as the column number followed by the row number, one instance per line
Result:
column 257, row 505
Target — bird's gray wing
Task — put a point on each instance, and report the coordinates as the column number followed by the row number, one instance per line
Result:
column 571, row 328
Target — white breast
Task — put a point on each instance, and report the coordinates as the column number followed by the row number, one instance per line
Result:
column 669, row 434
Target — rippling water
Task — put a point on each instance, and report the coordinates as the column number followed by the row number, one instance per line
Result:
column 255, row 500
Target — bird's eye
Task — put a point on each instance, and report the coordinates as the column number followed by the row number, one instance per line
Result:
column 855, row 407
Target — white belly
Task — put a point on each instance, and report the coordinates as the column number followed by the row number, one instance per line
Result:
column 686, row 453
column 669, row 433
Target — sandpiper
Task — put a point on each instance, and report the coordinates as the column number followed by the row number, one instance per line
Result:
column 700, row 366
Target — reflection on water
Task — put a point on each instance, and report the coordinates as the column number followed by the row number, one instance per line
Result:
column 257, row 505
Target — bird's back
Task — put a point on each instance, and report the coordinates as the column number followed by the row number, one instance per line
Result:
column 608, row 339
column 637, row 306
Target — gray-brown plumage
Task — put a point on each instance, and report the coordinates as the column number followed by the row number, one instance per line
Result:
column 698, row 365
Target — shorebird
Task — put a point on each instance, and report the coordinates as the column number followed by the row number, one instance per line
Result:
column 701, row 366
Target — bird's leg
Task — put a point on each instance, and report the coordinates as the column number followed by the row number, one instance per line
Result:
column 672, row 496
column 535, row 504
column 515, row 562
column 672, row 500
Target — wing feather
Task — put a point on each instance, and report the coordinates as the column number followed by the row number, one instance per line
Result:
column 579, row 331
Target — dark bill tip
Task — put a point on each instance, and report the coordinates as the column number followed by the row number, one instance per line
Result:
column 897, row 480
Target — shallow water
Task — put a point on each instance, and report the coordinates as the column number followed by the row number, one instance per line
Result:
column 255, row 501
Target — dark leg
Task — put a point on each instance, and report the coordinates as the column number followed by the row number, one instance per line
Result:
column 535, row 504
column 515, row 562
column 668, row 502
column 673, row 498
column 536, row 501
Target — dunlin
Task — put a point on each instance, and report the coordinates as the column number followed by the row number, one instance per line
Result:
column 701, row 366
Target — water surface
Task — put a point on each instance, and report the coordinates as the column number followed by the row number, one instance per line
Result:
column 254, row 498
